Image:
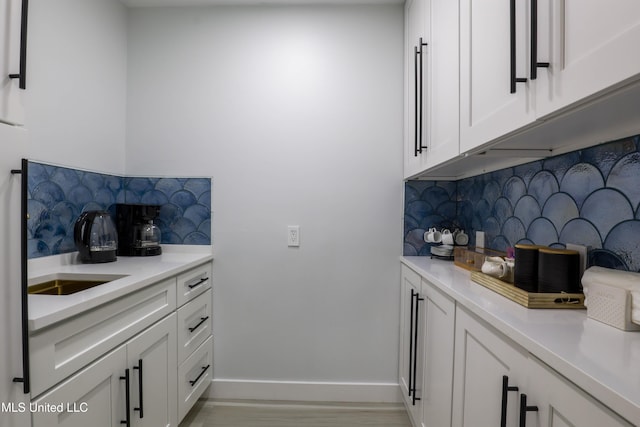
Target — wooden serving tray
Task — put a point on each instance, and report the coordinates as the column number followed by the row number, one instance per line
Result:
column 528, row 299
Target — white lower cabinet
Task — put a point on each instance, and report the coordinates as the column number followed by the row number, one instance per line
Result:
column 487, row 368
column 498, row 383
column 562, row 404
column 437, row 387
column 97, row 393
column 141, row 360
column 426, row 351
column 135, row 383
column 457, row 370
column 194, row 376
column 152, row 362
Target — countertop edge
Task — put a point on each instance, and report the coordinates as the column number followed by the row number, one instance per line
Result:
column 40, row 317
column 626, row 403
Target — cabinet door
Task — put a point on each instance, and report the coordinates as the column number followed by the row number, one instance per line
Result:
column 411, row 343
column 589, row 45
column 444, row 82
column 482, row 360
column 439, row 326
column 488, row 109
column 416, row 19
column 94, row 397
column 152, row 361
column 11, row 110
column 561, row 404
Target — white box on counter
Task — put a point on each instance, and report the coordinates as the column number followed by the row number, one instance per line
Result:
column 610, row 305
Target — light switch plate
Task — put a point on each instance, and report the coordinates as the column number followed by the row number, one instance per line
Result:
column 479, row 239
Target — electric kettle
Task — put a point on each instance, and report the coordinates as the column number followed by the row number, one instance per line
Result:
column 96, row 237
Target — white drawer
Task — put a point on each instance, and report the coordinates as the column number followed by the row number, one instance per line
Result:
column 59, row 351
column 194, row 282
column 194, row 376
column 194, row 324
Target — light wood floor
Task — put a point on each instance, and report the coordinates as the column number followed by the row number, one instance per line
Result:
column 287, row 414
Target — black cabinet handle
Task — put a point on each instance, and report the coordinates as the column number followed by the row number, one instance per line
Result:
column 420, row 52
column 140, row 395
column 534, row 42
column 415, row 348
column 24, row 282
column 126, row 378
column 198, row 283
column 411, row 345
column 505, row 389
column 204, row 369
column 513, row 78
column 524, row 409
column 202, row 320
column 415, row 103
column 22, row 74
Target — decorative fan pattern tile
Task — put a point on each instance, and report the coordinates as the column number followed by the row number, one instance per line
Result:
column 589, row 197
column 58, row 195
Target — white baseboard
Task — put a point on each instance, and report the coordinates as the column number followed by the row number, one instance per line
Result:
column 304, row 391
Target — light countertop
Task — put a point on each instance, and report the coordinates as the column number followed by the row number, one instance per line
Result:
column 598, row 358
column 137, row 272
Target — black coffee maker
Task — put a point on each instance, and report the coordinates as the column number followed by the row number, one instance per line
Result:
column 137, row 234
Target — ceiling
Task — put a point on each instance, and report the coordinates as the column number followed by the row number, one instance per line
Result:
column 156, row 3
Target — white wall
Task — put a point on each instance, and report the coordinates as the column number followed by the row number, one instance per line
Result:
column 296, row 113
column 76, row 83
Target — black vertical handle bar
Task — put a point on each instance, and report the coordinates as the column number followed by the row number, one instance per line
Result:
column 415, row 348
column 505, row 389
column 140, row 395
column 415, row 104
column 512, row 27
column 524, row 409
column 420, row 146
column 22, row 75
column 534, row 42
column 411, row 345
column 126, row 378
column 24, row 283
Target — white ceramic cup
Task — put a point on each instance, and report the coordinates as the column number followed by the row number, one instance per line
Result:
column 495, row 268
column 447, row 237
column 462, row 239
column 432, row 236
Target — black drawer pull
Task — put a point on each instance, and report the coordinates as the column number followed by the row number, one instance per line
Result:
column 202, row 320
column 200, row 282
column 524, row 409
column 512, row 42
column 22, row 74
column 140, row 397
column 126, row 378
column 534, row 42
column 505, row 389
column 204, row 369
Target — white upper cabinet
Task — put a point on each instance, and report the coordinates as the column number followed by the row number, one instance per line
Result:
column 525, row 60
column 494, row 85
column 11, row 109
column 432, row 84
column 416, row 87
column 590, row 45
column 443, row 82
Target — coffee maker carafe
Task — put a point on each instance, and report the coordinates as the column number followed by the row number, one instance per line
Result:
column 137, row 234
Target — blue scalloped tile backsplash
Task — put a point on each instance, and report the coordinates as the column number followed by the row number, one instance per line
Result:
column 57, row 195
column 589, row 197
